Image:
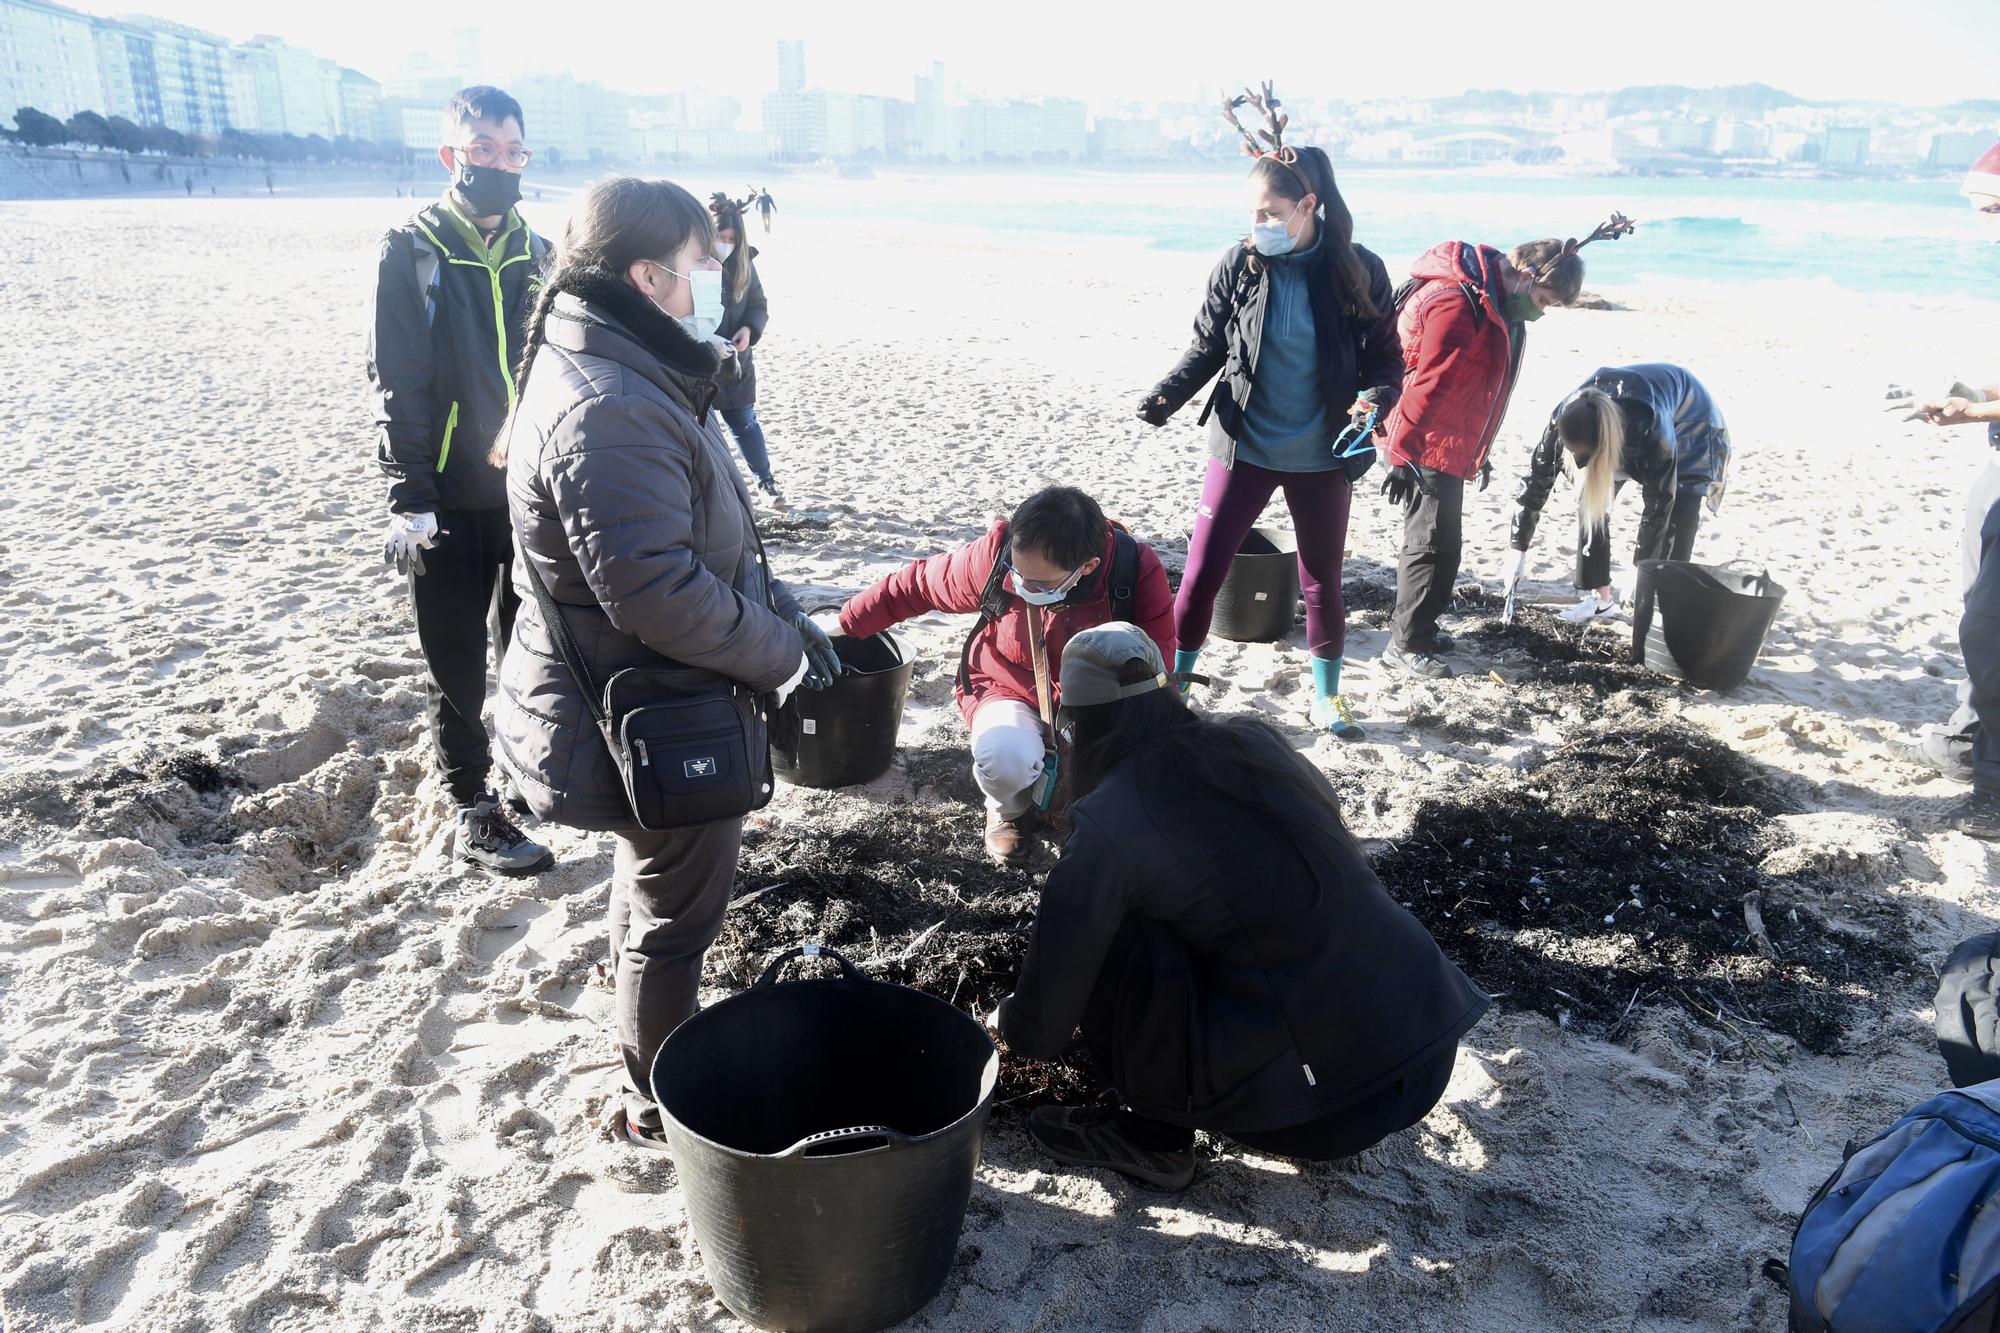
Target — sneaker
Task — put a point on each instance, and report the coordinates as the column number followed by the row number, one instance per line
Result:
column 1091, row 1136
column 1331, row 713
column 1945, row 752
column 1589, row 609
column 1442, row 643
column 653, row 1137
column 1978, row 816
column 485, row 836
column 769, row 486
column 1418, row 662
column 1009, row 840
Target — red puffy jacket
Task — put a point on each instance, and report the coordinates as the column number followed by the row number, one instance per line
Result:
column 1001, row 665
column 1460, row 359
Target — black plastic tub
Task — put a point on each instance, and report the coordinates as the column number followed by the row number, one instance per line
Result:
column 1704, row 624
column 1259, row 600
column 825, row 1134
column 845, row 735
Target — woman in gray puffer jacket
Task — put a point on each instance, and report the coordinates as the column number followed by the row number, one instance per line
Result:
column 625, row 501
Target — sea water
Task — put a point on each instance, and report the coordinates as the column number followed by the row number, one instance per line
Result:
column 1889, row 238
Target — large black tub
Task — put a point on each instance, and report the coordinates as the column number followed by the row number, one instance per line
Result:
column 845, row 735
column 826, row 1133
column 1704, row 624
column 1260, row 598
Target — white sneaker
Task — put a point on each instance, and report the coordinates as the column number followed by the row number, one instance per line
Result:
column 1588, row 609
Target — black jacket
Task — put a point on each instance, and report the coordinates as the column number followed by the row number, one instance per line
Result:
column 441, row 355
column 1363, row 357
column 1675, row 440
column 1298, row 986
column 752, row 313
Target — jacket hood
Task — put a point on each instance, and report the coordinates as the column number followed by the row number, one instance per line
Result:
column 1461, row 261
column 637, row 317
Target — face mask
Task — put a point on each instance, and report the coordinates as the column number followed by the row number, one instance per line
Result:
column 1521, row 306
column 706, row 284
column 1034, row 598
column 1272, row 239
column 723, row 249
column 486, row 192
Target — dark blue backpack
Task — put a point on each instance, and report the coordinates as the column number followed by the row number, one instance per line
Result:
column 1901, row 1237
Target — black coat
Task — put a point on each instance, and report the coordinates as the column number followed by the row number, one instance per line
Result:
column 442, row 348
column 1362, row 355
column 747, row 312
column 1286, row 983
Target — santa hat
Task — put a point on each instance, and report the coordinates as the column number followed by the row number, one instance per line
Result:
column 1984, row 178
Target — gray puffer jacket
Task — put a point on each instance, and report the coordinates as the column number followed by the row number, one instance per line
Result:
column 623, row 495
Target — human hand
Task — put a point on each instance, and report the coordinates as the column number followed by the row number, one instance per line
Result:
column 409, row 536
column 1153, row 409
column 823, row 662
column 742, row 340
column 1400, row 486
column 1950, row 412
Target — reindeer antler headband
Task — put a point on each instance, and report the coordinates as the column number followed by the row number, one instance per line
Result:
column 1272, row 131
column 720, row 203
column 1618, row 225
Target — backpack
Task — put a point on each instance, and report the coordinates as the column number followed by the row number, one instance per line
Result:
column 1401, row 297
column 1124, row 577
column 1900, row 1238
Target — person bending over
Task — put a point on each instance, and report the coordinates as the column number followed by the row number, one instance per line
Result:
column 1057, row 560
column 1654, row 424
column 1215, row 932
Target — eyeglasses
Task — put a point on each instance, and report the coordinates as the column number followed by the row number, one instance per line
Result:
column 1043, row 585
column 485, row 153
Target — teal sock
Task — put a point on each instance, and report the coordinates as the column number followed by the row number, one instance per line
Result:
column 1184, row 660
column 1326, row 677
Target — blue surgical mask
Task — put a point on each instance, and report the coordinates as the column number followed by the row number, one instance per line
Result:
column 1272, row 239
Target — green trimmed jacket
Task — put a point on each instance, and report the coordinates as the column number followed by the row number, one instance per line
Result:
column 450, row 312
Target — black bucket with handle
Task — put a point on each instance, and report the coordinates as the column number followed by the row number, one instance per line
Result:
column 845, row 735
column 1259, row 599
column 825, row 1133
column 1704, row 624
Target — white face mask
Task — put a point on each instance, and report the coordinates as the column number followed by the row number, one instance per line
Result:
column 1048, row 597
column 723, row 249
column 706, row 285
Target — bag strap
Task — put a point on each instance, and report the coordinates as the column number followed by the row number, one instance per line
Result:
column 1038, row 649
column 992, row 606
column 566, row 647
column 1124, row 574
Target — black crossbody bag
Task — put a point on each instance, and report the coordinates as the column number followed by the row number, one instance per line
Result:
column 691, row 746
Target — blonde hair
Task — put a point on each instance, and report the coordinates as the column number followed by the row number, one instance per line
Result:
column 1590, row 420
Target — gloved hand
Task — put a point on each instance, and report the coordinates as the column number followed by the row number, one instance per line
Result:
column 822, row 662
column 1512, row 568
column 410, row 535
column 1485, row 473
column 1401, row 485
column 1153, row 409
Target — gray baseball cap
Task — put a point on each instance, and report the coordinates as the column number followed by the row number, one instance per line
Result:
column 1092, row 660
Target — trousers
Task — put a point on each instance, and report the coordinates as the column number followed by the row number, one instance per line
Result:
column 1593, row 549
column 1427, row 568
column 1232, row 498
column 1979, row 641
column 464, row 604
column 749, row 434
column 1007, row 752
column 669, row 891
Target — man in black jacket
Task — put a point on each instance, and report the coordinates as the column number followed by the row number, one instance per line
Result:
column 452, row 295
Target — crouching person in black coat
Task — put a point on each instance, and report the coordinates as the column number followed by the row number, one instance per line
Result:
column 1234, row 964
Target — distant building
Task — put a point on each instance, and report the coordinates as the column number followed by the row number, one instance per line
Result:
column 191, row 70
column 296, row 91
column 1956, row 150
column 1126, row 139
column 48, row 59
column 1844, row 146
column 582, row 120
column 706, row 147
column 937, row 131
column 791, row 67
column 361, row 106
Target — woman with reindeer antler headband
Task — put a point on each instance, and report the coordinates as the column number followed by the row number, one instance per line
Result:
column 1298, row 333
column 744, row 314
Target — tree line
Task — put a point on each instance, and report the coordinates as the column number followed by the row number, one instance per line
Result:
column 38, row 129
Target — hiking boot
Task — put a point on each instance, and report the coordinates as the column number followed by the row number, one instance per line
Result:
column 486, row 837
column 1418, row 662
column 1948, row 753
column 1978, row 816
column 1009, row 840
column 1589, row 608
column 1092, row 1136
column 1331, row 713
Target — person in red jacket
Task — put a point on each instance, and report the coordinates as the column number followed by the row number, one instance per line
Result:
column 1057, row 558
column 1462, row 323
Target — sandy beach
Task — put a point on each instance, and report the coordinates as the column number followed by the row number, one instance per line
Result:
column 268, row 1060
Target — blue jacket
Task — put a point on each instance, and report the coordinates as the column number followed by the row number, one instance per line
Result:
column 1675, row 440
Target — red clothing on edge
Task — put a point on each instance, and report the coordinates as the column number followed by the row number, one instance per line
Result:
column 1459, row 361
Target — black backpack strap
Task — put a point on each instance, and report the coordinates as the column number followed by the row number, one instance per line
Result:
column 1124, row 574
column 1401, row 296
column 992, row 606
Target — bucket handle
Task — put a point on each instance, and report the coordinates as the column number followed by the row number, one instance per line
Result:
column 804, row 1147
column 807, row 951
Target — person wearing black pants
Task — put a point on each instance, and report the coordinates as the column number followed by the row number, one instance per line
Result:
column 1427, row 568
column 452, row 290
column 1675, row 541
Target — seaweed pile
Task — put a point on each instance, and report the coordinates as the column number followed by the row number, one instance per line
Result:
column 1624, row 870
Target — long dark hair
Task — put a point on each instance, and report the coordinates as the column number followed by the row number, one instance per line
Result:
column 736, row 268
column 1239, row 760
column 1312, row 173
column 621, row 221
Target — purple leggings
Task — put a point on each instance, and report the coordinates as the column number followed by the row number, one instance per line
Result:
column 1232, row 499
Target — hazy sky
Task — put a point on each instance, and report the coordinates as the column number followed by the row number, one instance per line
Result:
column 1915, row 51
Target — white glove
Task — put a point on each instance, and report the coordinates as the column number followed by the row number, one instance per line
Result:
column 1512, row 568
column 784, row 691
column 410, row 535
column 1625, row 587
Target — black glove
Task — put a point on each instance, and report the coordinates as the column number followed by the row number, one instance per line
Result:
column 1401, row 485
column 822, row 662
column 1153, row 409
column 1485, row 473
